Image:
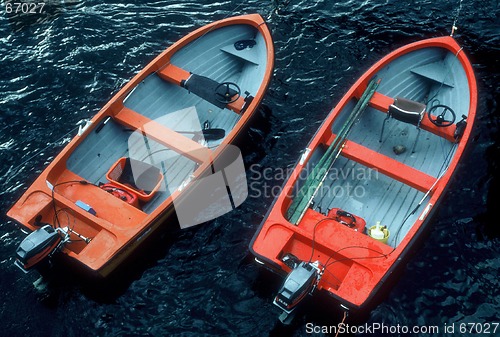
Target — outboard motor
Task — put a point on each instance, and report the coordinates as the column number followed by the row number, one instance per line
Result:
column 36, row 246
column 301, row 281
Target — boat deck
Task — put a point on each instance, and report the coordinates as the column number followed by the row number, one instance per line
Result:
column 156, row 120
column 371, row 178
column 371, row 181
column 146, row 129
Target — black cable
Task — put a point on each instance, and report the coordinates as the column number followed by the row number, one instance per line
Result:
column 325, row 265
column 356, row 258
column 83, row 182
column 314, row 235
column 333, row 275
column 65, row 210
column 328, row 263
column 446, row 163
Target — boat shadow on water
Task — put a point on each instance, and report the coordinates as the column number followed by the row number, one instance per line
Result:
column 58, row 276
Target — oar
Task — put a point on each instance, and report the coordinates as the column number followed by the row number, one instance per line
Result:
column 208, row 134
column 315, row 179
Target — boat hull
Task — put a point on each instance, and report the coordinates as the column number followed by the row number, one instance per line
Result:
column 403, row 169
column 162, row 117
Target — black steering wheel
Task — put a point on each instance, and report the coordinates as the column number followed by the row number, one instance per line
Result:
column 227, row 92
column 440, row 119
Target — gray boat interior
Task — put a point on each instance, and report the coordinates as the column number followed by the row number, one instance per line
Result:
column 213, row 55
column 429, row 76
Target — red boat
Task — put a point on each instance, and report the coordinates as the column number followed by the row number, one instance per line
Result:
column 365, row 188
column 117, row 181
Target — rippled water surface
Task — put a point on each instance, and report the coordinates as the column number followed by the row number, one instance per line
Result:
column 61, row 66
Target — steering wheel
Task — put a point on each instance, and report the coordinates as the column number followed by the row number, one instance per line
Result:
column 440, row 119
column 227, row 92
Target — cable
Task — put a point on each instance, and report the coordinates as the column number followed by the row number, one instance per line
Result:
column 314, row 236
column 65, row 211
column 327, row 264
column 341, row 323
column 356, row 258
column 111, row 189
column 442, row 171
column 57, row 224
column 333, row 275
column 382, row 255
column 444, row 80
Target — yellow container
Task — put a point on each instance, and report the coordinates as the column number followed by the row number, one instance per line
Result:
column 379, row 233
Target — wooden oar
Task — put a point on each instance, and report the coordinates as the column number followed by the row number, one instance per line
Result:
column 314, row 181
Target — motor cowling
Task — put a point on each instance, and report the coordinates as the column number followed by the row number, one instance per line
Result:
column 297, row 285
column 37, row 246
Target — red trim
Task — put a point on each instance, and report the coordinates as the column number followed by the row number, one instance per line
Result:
column 388, row 166
column 173, row 74
column 116, row 234
column 380, row 102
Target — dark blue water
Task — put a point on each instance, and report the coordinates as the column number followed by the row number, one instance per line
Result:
column 63, row 65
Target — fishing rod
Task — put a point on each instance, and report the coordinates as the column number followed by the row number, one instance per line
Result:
column 311, row 178
column 320, row 171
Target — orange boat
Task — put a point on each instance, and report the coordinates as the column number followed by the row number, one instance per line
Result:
column 365, row 188
column 117, row 180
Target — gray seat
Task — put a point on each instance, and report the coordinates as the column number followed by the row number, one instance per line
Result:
column 406, row 111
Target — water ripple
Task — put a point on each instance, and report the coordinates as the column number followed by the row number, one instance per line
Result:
column 62, row 67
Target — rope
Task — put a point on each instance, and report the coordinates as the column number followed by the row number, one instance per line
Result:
column 341, row 323
column 454, row 26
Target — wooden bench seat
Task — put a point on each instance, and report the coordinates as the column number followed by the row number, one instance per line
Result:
column 386, row 165
column 163, row 135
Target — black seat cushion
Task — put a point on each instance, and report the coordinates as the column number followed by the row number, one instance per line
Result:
column 407, row 111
